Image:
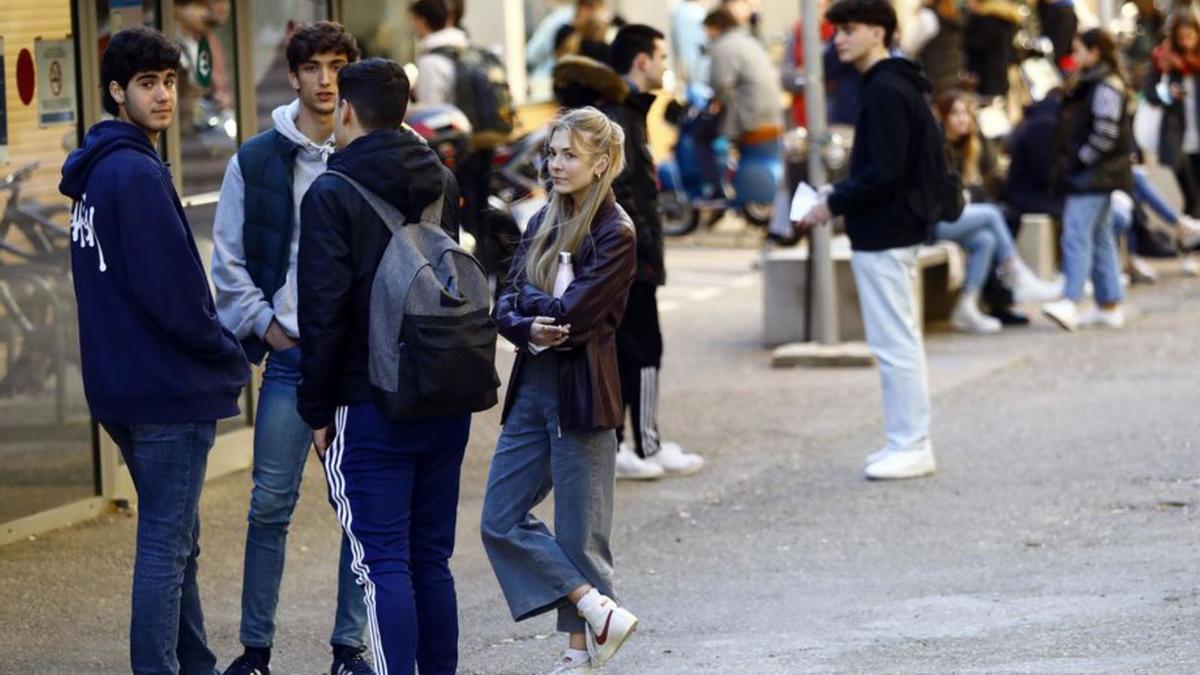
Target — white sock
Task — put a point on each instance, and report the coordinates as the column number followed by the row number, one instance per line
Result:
column 589, row 603
column 576, row 656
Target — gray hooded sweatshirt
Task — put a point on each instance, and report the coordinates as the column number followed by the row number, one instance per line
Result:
column 241, row 305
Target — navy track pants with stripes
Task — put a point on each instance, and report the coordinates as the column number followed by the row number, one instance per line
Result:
column 394, row 486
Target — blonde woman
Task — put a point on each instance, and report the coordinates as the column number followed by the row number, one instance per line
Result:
column 564, row 398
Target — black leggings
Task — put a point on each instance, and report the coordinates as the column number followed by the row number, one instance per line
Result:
column 1188, row 175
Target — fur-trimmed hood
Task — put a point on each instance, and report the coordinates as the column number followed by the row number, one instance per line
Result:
column 1001, row 9
column 580, row 81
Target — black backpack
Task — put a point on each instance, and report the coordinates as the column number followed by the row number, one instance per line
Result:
column 938, row 195
column 481, row 91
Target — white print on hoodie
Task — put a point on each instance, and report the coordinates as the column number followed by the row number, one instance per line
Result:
column 83, row 231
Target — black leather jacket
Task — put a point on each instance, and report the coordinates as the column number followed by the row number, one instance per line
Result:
column 589, row 383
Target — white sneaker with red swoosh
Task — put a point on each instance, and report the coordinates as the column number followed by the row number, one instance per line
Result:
column 608, row 627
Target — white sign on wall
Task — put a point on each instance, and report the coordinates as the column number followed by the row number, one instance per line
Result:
column 55, row 62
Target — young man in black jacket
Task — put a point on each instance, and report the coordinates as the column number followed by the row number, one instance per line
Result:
column 394, row 485
column 894, row 125
column 256, row 237
column 639, row 55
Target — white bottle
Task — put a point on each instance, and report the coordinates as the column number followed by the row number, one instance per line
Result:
column 566, row 274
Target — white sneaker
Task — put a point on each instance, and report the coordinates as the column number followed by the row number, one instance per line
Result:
column 875, row 457
column 967, row 317
column 1143, row 272
column 675, row 462
column 632, row 467
column 899, row 465
column 571, row 664
column 608, row 626
column 1027, row 286
column 1190, row 266
column 1188, row 230
column 1103, row 318
column 1063, row 312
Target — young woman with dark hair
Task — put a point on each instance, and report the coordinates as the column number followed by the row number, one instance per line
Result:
column 1095, row 144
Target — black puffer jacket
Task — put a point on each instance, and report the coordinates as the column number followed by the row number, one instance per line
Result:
column 989, row 35
column 1095, row 136
column 341, row 244
column 942, row 57
column 580, row 81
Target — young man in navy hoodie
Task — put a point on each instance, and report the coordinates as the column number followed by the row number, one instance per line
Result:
column 158, row 368
column 893, row 129
column 394, row 484
column 256, row 236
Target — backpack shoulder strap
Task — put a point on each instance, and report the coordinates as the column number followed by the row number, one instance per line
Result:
column 455, row 54
column 390, row 215
column 432, row 214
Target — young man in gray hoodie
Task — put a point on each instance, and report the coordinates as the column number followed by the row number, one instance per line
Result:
column 257, row 235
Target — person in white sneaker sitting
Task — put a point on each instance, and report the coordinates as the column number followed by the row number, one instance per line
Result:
column 564, row 399
column 1093, row 161
column 982, row 229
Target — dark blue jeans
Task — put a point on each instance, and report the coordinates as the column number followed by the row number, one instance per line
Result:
column 167, row 462
column 394, row 486
column 281, row 443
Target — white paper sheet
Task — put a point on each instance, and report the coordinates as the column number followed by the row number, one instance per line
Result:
column 803, row 200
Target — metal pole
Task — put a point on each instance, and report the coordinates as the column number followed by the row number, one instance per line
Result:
column 824, row 314
column 1104, row 12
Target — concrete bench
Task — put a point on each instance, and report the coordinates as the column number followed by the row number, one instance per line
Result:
column 1037, row 244
column 785, row 277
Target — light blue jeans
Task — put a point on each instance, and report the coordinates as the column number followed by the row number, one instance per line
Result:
column 1089, row 246
column 537, row 569
column 983, row 232
column 281, row 443
column 885, row 294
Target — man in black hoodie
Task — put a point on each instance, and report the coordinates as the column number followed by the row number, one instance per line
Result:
column 159, row 370
column 394, row 485
column 893, row 130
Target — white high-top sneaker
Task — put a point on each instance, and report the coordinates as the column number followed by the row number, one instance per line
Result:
column 1027, row 286
column 967, row 317
column 632, row 467
column 676, row 462
column 608, row 626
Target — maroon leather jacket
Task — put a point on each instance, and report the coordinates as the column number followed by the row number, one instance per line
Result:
column 589, row 384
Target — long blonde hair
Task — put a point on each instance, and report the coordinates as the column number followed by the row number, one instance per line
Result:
column 569, row 220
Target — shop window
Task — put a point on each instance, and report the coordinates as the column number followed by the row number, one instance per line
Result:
column 45, row 429
column 208, row 121
column 274, row 23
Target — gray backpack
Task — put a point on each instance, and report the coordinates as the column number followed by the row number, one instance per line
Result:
column 431, row 348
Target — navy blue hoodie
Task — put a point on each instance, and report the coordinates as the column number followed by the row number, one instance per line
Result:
column 152, row 348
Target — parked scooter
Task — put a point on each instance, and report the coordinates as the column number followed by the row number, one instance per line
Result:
column 747, row 184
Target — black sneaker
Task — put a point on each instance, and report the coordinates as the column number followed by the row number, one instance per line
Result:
column 1009, row 317
column 250, row 663
column 350, row 661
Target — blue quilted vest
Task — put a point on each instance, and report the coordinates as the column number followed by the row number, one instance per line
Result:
column 266, row 163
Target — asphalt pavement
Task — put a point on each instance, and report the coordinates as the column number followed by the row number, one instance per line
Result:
column 1059, row 535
